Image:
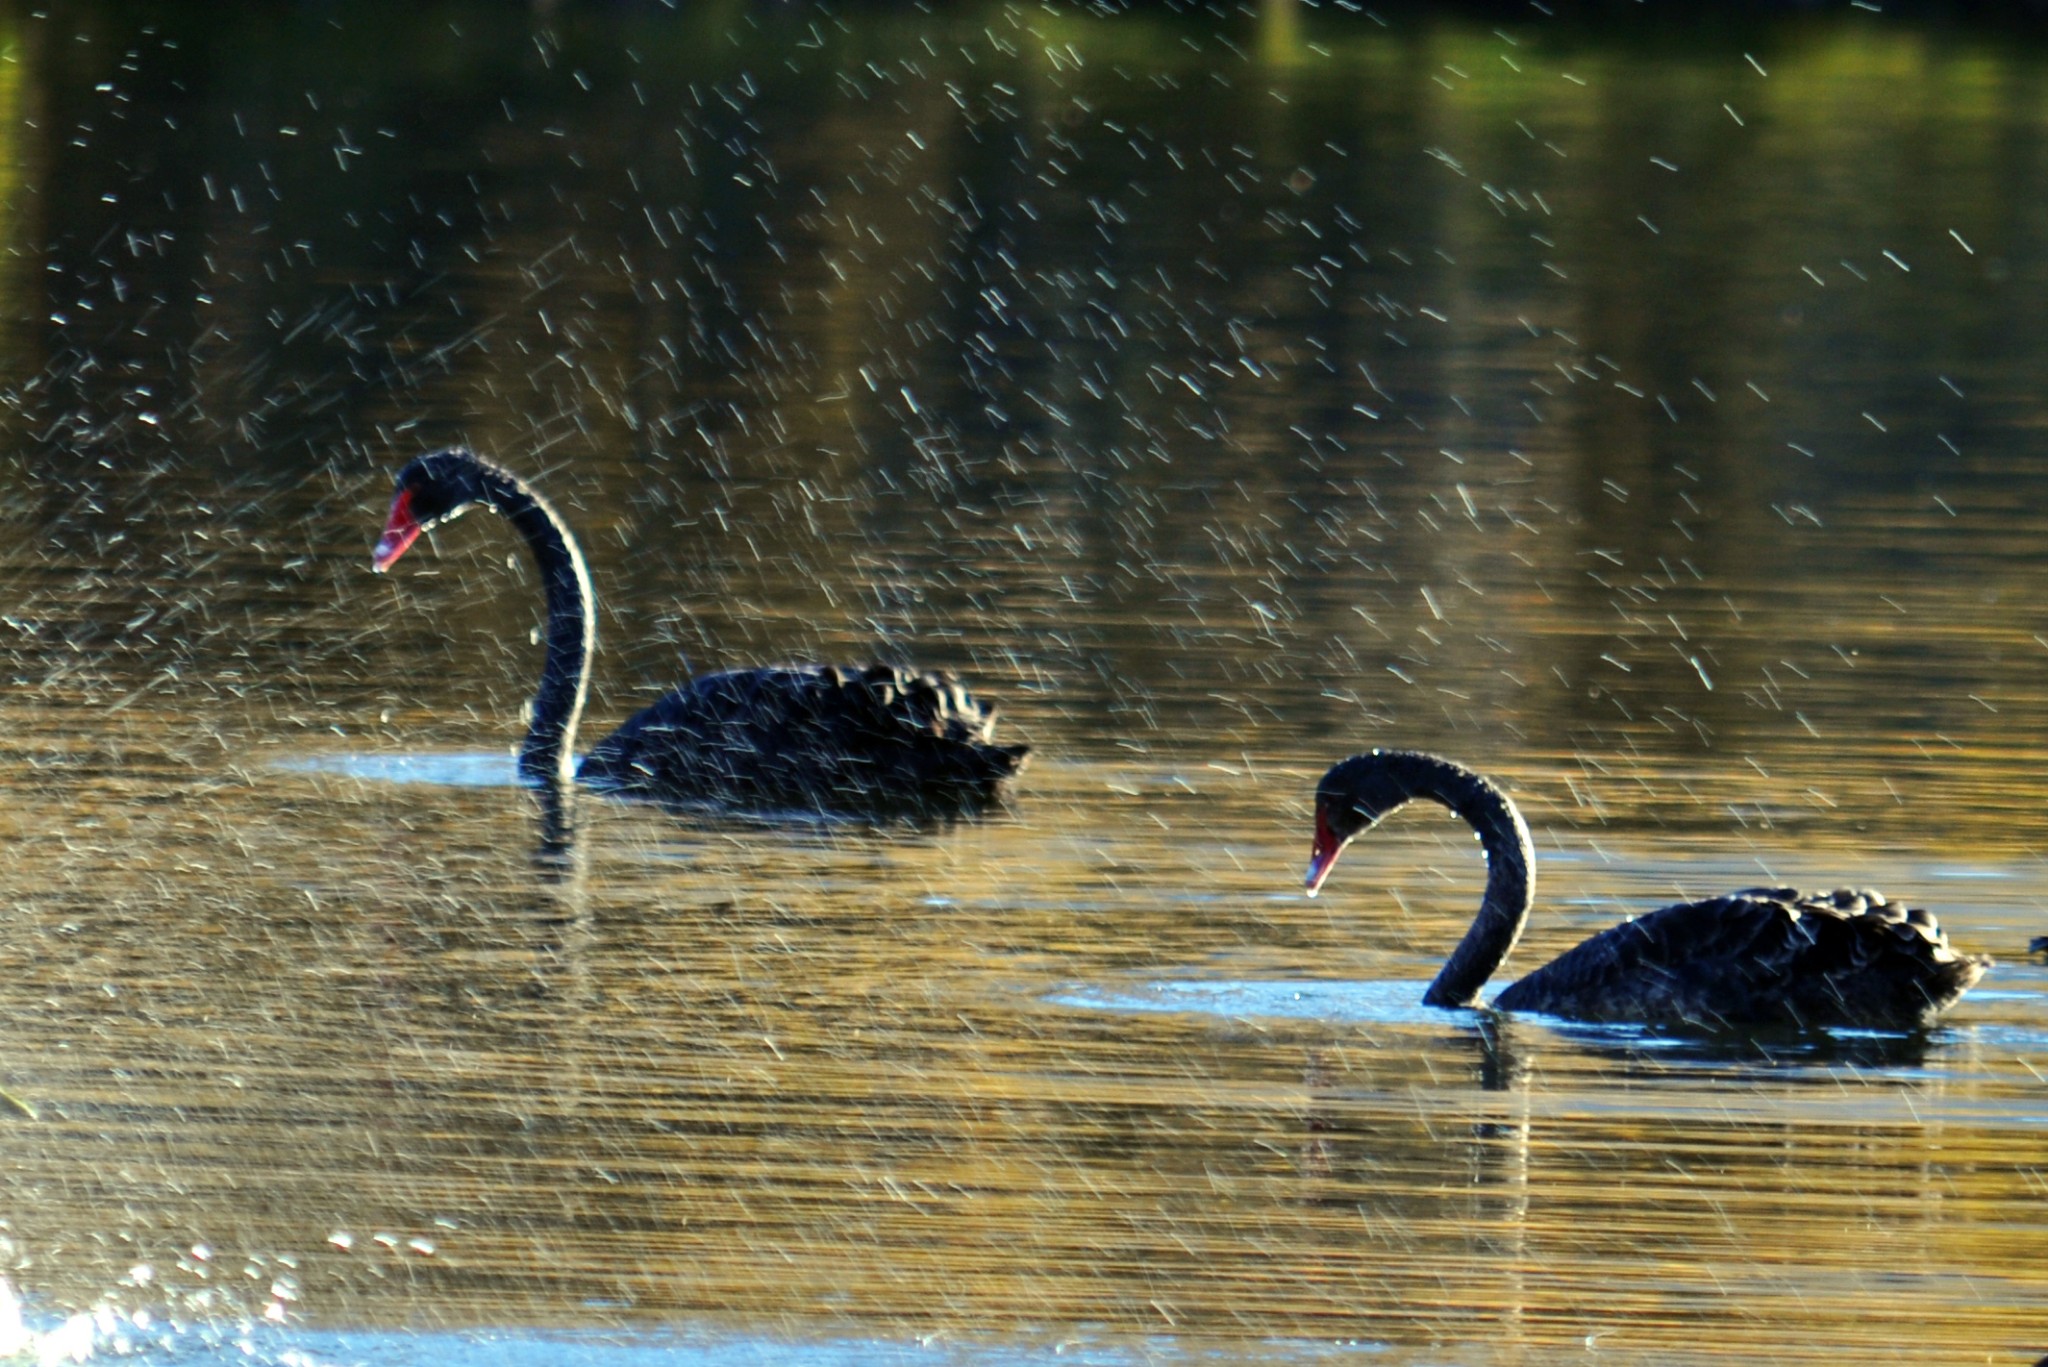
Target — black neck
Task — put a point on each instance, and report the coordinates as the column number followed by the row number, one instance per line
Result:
column 1510, row 871
column 549, row 754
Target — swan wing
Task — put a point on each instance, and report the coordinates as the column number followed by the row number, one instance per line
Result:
column 874, row 740
column 1759, row 957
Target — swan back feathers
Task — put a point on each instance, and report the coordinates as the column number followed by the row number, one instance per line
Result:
column 1760, row 957
column 877, row 740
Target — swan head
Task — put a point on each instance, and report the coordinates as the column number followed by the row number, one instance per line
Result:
column 1351, row 799
column 430, row 490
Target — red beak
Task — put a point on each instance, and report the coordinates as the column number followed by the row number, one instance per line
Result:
column 401, row 529
column 1324, row 853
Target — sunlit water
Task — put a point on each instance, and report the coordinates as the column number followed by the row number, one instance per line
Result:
column 1648, row 415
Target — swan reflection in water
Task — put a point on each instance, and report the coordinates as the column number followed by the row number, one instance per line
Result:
column 1453, row 1157
column 1477, row 1169
column 556, row 854
column 1762, row 957
column 872, row 741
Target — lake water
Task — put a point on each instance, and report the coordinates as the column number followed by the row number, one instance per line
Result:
column 1647, row 412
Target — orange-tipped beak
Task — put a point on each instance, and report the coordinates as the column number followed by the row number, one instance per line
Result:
column 401, row 529
column 1323, row 856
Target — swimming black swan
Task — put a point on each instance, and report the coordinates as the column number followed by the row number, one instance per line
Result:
column 873, row 741
column 1759, row 957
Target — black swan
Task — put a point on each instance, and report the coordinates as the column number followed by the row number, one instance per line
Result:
column 1759, row 957
column 873, row 741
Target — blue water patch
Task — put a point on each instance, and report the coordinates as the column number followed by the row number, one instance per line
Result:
column 270, row 1346
column 1399, row 1003
column 680, row 1350
column 500, row 769
column 1374, row 1003
column 461, row 769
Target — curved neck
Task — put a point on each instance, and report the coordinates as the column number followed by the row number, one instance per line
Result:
column 548, row 756
column 1510, row 874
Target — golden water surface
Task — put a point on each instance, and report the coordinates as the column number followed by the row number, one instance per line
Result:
column 1647, row 413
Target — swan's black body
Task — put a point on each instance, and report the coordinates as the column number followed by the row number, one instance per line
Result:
column 874, row 741
column 1762, row 957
